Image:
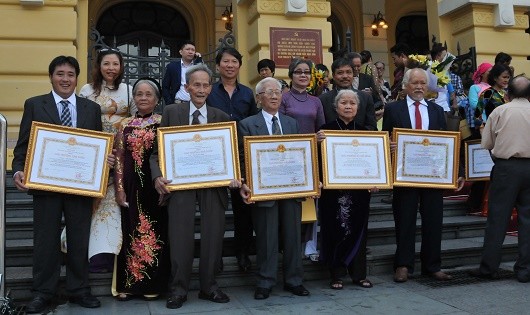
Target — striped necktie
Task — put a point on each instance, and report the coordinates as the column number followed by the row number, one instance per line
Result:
column 276, row 126
column 66, row 117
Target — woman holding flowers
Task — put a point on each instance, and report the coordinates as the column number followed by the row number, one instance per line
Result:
column 308, row 112
column 142, row 267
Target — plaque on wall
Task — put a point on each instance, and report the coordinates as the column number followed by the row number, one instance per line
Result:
column 289, row 43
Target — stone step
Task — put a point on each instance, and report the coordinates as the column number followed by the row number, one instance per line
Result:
column 455, row 253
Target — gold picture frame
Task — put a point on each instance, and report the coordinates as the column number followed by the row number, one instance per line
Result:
column 426, row 158
column 67, row 160
column 372, row 170
column 281, row 167
column 478, row 161
column 199, row 156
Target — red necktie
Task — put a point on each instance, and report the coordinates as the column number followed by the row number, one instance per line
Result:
column 418, row 115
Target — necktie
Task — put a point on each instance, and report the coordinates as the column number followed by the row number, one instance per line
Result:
column 276, row 126
column 418, row 115
column 66, row 118
column 195, row 120
column 355, row 83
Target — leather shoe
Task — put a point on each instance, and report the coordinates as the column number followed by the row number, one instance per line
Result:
column 85, row 300
column 478, row 274
column 176, row 301
column 441, row 276
column 262, row 293
column 216, row 296
column 243, row 262
column 296, row 289
column 37, row 305
column 401, row 274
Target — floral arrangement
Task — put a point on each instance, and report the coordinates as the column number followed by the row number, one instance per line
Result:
column 316, row 82
column 418, row 61
column 440, row 73
column 138, row 142
column 144, row 248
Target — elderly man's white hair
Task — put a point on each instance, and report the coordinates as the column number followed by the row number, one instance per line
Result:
column 406, row 77
column 259, row 86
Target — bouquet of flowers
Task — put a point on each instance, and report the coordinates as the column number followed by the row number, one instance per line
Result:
column 316, row 82
column 441, row 74
column 418, row 61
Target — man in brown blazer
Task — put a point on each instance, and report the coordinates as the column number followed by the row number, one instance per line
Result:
column 213, row 202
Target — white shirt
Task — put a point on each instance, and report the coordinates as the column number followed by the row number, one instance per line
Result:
column 203, row 117
column 71, row 106
column 268, row 121
column 423, row 112
column 182, row 94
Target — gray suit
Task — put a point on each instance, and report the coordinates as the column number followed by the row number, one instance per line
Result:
column 213, row 202
column 48, row 207
column 267, row 215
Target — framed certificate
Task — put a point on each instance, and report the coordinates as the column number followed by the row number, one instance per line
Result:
column 199, row 156
column 67, row 160
column 356, row 160
column 478, row 161
column 426, row 158
column 281, row 167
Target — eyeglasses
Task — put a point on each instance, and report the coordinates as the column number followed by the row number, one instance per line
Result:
column 300, row 72
column 109, row 49
column 270, row 93
column 380, row 68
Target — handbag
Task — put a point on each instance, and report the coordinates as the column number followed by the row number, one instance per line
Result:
column 457, row 123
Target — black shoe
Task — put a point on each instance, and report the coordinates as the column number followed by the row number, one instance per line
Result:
column 176, row 301
column 296, row 290
column 37, row 305
column 262, row 293
column 478, row 274
column 216, row 296
column 243, row 262
column 86, row 300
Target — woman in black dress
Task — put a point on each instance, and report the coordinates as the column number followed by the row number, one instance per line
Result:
column 344, row 213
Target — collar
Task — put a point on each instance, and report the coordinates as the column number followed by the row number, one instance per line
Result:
column 202, row 110
column 137, row 115
column 57, row 98
column 410, row 102
column 268, row 117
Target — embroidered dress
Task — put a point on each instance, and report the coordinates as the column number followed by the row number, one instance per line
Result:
column 105, row 230
column 488, row 101
column 141, row 266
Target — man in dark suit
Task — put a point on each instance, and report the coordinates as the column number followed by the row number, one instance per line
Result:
column 363, row 81
column 416, row 113
column 60, row 107
column 268, row 215
column 173, row 89
column 342, row 70
column 213, row 202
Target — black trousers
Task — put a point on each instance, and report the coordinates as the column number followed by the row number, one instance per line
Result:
column 47, row 213
column 405, row 207
column 243, row 228
column 509, row 187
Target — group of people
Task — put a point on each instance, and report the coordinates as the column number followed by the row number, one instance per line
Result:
column 129, row 226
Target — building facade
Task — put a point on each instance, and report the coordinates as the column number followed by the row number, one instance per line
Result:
column 32, row 32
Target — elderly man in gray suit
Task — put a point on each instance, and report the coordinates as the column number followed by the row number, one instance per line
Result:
column 213, row 202
column 267, row 215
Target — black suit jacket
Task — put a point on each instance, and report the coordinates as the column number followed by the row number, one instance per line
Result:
column 397, row 116
column 365, row 110
column 172, row 80
column 367, row 81
column 44, row 109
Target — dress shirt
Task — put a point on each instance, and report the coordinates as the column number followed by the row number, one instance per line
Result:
column 423, row 111
column 239, row 106
column 203, row 118
column 268, row 121
column 182, row 94
column 71, row 106
column 506, row 132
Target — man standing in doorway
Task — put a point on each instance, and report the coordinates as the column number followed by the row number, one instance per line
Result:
column 174, row 80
